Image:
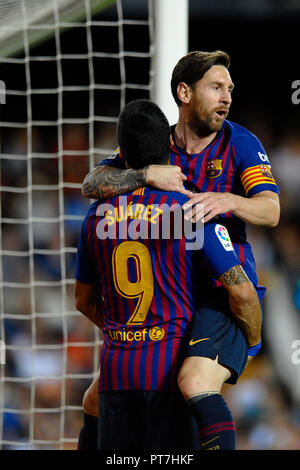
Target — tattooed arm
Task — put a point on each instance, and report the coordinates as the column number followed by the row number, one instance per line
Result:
column 106, row 181
column 244, row 303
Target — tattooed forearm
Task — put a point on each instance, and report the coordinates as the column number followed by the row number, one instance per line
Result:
column 244, row 303
column 106, row 181
column 234, row 276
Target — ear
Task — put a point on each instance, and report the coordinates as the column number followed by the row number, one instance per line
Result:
column 184, row 92
column 171, row 140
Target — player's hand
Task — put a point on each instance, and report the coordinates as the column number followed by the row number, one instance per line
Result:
column 167, row 178
column 206, row 206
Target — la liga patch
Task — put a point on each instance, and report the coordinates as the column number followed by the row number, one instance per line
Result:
column 224, row 238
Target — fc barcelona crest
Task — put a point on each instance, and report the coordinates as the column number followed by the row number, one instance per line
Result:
column 266, row 171
column 214, row 168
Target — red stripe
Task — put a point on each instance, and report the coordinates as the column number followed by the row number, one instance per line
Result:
column 224, row 423
column 251, row 175
column 125, row 368
column 177, row 159
column 171, row 282
column 230, row 171
column 242, row 254
column 153, row 307
column 185, row 300
column 255, row 177
column 230, row 174
column 170, row 266
column 202, row 175
column 249, row 171
column 164, row 298
column 216, row 431
column 256, row 182
column 191, row 168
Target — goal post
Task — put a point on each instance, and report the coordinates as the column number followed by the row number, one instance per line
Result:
column 67, row 68
column 171, row 39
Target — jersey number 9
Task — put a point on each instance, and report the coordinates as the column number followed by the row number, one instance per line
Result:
column 143, row 288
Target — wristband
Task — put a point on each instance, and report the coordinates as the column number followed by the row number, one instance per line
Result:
column 254, row 349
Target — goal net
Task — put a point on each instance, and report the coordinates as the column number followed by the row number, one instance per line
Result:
column 67, row 67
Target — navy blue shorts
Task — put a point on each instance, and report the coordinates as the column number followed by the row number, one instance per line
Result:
column 145, row 420
column 214, row 333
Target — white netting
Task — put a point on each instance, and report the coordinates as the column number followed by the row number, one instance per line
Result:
column 68, row 67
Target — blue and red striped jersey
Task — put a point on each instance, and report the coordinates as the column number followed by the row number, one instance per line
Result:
column 146, row 263
column 235, row 161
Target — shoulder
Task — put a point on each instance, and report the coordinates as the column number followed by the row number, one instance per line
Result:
column 239, row 134
column 93, row 210
column 170, row 197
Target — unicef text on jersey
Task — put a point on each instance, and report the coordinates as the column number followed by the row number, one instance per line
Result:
column 130, row 221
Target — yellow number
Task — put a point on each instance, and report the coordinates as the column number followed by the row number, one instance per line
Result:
column 143, row 288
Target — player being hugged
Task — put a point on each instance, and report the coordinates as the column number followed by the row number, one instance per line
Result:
column 228, row 166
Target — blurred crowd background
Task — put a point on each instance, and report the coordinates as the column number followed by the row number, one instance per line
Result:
column 61, row 351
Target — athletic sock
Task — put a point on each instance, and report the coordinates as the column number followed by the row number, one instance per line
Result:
column 215, row 422
column 88, row 433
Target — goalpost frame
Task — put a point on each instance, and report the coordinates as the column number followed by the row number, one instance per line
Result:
column 171, row 43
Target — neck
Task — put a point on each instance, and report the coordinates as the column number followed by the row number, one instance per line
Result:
column 186, row 138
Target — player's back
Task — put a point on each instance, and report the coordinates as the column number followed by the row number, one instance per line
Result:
column 148, row 285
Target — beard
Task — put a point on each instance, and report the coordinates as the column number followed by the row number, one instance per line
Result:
column 205, row 124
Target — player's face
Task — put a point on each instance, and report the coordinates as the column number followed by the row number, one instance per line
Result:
column 210, row 101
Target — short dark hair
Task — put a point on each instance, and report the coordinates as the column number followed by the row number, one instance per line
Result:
column 193, row 66
column 143, row 134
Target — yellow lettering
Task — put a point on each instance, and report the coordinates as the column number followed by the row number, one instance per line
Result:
column 137, row 335
column 158, row 213
column 111, row 334
column 129, row 212
column 144, row 333
column 139, row 210
column 119, row 214
column 129, row 333
column 118, row 335
column 109, row 218
column 147, row 212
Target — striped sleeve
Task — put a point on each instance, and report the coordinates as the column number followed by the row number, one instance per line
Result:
column 256, row 176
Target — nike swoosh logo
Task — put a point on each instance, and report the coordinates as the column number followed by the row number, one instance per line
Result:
column 207, row 442
column 191, row 343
